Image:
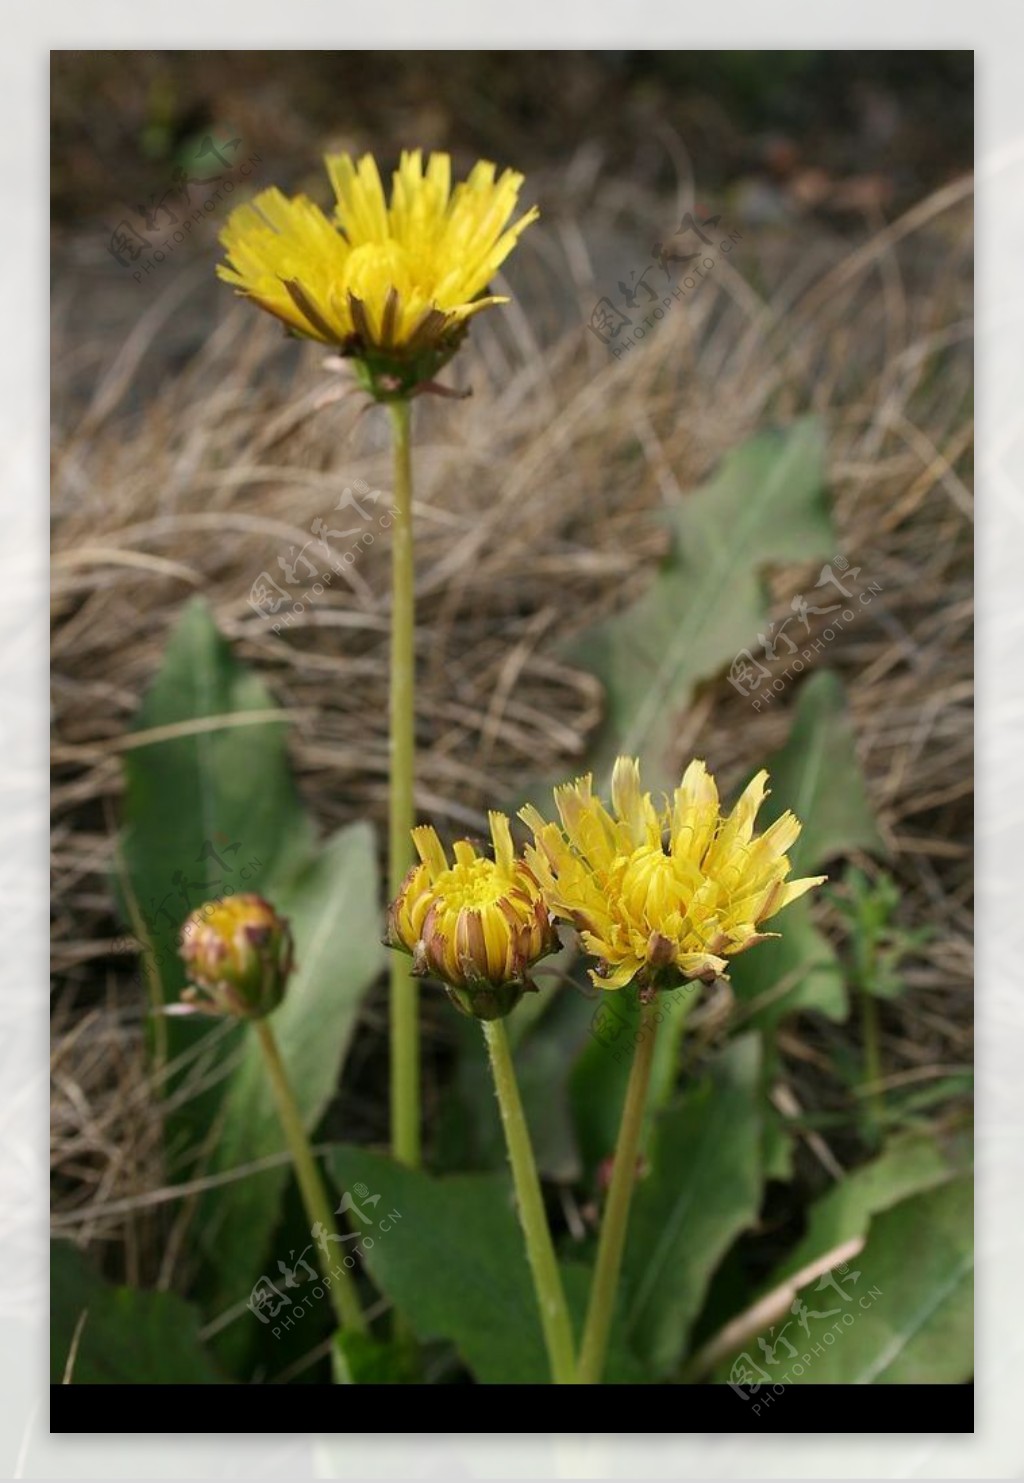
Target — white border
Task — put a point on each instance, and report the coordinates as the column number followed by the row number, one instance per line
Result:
column 994, row 29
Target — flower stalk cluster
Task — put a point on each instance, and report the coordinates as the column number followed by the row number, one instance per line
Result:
column 659, row 896
column 659, row 893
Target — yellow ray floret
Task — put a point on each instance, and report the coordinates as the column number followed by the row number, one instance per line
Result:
column 476, row 923
column 400, row 277
column 663, row 895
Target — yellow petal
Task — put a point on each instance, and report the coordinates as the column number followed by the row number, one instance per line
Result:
column 501, row 836
column 430, row 849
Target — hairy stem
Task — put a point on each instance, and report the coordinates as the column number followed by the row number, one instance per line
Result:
column 405, row 1029
column 540, row 1251
column 612, row 1240
column 343, row 1292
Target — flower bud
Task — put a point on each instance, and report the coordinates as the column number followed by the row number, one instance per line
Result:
column 238, row 955
column 478, row 925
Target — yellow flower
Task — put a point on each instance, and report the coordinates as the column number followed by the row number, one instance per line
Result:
column 479, row 925
column 392, row 284
column 663, row 896
column 238, row 956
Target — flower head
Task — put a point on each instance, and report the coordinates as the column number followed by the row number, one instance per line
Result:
column 663, row 896
column 238, row 955
column 393, row 284
column 477, row 924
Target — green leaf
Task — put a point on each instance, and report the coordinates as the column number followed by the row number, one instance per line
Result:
column 454, row 1264
column 333, row 908
column 913, row 1304
column 818, row 776
column 797, row 970
column 213, row 810
column 127, row 1337
column 360, row 1359
column 910, row 1164
column 704, row 1188
column 765, row 505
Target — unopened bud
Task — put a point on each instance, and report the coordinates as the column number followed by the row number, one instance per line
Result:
column 478, row 925
column 238, row 954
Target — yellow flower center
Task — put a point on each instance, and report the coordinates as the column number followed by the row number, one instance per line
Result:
column 472, row 886
column 650, row 887
column 377, row 264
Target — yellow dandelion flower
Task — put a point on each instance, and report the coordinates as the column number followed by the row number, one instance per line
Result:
column 393, row 284
column 659, row 896
column 477, row 924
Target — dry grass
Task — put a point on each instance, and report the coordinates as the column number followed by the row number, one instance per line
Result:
column 535, row 505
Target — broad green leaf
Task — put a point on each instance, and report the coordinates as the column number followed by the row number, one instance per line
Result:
column 332, row 906
column 909, row 1164
column 912, row 1307
column 453, row 1263
column 127, row 1337
column 797, row 970
column 703, row 1189
column 818, row 776
column 765, row 505
column 212, row 809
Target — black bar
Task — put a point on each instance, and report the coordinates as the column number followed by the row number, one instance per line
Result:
column 892, row 1410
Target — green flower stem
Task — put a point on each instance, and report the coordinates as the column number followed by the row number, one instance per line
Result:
column 405, row 1027
column 343, row 1292
column 547, row 1280
column 616, row 1213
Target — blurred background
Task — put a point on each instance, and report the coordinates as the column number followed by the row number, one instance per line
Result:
column 193, row 446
